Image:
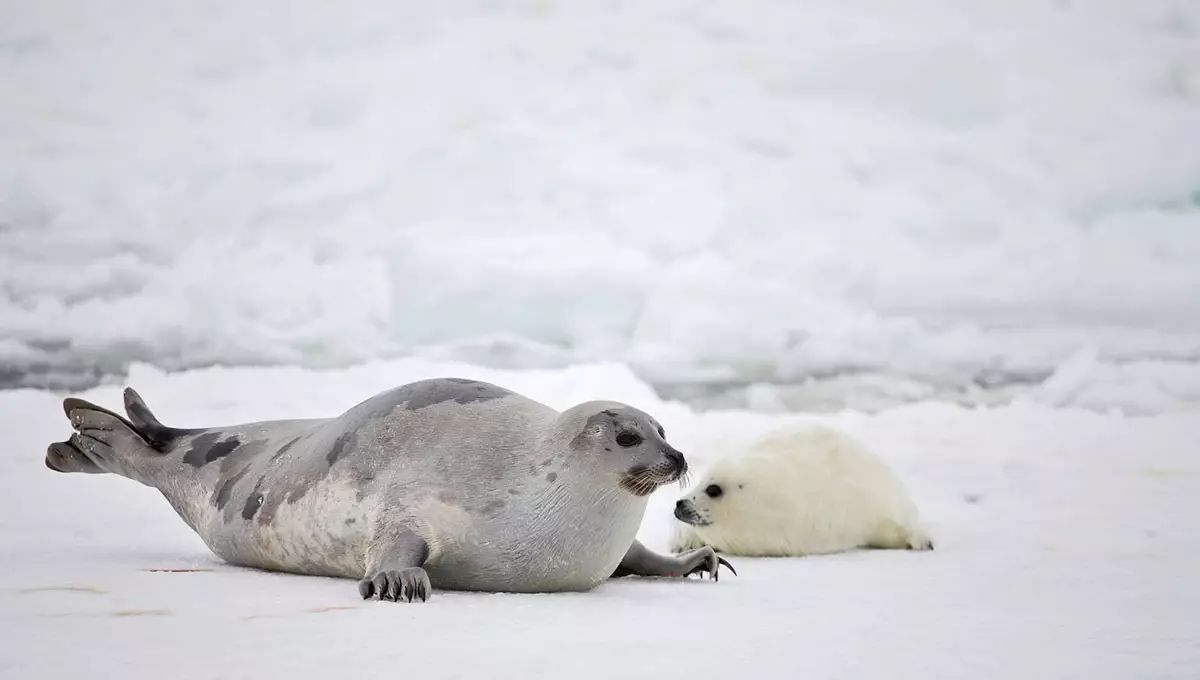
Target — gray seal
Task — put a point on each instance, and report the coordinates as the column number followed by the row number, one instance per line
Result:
column 452, row 483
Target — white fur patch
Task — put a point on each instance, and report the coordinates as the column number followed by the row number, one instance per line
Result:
column 801, row 491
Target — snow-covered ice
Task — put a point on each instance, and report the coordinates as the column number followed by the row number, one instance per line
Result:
column 902, row 200
column 826, row 207
column 1068, row 544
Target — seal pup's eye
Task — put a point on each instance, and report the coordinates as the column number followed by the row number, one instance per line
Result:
column 713, row 491
column 628, row 439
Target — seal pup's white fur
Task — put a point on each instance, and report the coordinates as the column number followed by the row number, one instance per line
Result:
column 799, row 491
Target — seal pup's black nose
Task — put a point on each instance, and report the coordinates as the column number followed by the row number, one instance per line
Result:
column 684, row 511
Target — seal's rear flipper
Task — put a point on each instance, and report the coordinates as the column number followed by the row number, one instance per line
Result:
column 72, row 403
column 64, row 457
column 110, row 442
column 158, row 435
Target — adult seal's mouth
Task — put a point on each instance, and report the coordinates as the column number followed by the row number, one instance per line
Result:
column 641, row 480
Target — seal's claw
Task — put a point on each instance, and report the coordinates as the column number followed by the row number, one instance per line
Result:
column 703, row 561
column 417, row 584
column 381, row 586
column 722, row 560
column 397, row 585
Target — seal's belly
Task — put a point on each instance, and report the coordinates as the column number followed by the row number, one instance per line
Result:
column 576, row 553
column 535, row 574
column 325, row 533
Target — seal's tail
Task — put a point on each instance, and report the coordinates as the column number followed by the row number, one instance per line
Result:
column 107, row 442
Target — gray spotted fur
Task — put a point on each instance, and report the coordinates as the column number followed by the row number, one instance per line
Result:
column 484, row 488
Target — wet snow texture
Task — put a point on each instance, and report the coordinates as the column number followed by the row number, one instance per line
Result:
column 1067, row 546
column 907, row 201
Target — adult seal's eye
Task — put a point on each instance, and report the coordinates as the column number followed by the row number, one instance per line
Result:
column 713, row 491
column 628, row 439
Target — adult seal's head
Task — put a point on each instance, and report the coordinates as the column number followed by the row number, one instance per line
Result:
column 623, row 445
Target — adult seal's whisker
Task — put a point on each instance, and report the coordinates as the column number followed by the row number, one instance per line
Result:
column 685, row 478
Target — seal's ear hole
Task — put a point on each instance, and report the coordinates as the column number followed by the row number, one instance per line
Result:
column 714, row 491
column 628, row 439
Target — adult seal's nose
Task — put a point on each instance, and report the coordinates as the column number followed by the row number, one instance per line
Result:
column 676, row 458
column 679, row 505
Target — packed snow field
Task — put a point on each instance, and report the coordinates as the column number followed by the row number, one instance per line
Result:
column 863, row 203
column 1067, row 547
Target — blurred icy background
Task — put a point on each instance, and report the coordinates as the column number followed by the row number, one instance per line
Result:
column 855, row 207
column 770, row 204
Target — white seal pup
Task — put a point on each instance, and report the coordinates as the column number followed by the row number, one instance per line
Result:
column 446, row 483
column 798, row 492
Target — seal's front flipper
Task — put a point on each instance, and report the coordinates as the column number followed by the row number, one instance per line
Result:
column 397, row 585
column 394, row 570
column 641, row 561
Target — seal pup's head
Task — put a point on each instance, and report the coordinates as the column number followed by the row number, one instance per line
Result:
column 733, row 493
column 626, row 442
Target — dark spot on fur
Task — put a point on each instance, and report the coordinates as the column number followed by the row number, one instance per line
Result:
column 299, row 491
column 607, row 448
column 551, row 477
column 283, row 449
column 514, row 492
column 492, row 507
column 583, row 440
column 253, row 503
column 350, row 521
column 270, row 505
column 309, row 476
column 546, row 463
column 346, row 441
column 205, row 449
column 419, row 395
column 255, row 500
column 200, row 446
column 225, row 490
column 221, row 449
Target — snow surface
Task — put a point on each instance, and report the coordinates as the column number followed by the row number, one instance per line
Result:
column 865, row 202
column 1068, row 545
